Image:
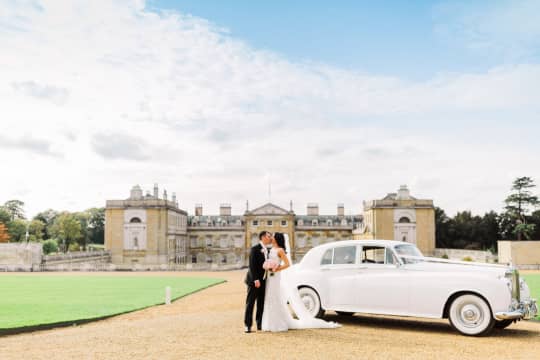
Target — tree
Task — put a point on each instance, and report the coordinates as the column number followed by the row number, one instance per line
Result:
column 442, row 226
column 50, row 246
column 36, row 229
column 4, row 235
column 17, row 230
column 490, row 231
column 66, row 228
column 47, row 217
column 96, row 222
column 15, row 208
column 5, row 217
column 518, row 204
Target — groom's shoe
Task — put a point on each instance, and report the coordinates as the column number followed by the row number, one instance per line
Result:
column 259, row 328
column 247, row 329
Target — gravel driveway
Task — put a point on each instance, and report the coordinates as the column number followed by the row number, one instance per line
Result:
column 208, row 325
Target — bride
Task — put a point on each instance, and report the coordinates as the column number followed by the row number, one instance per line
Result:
column 282, row 294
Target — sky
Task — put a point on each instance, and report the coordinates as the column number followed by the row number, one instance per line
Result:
column 219, row 101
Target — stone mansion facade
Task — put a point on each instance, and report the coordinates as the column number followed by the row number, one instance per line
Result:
column 151, row 232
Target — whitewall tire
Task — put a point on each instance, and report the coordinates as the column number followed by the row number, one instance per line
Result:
column 471, row 315
column 311, row 301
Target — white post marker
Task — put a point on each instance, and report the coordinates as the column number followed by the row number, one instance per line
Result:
column 167, row 295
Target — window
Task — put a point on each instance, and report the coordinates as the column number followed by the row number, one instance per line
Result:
column 255, row 223
column 224, row 241
column 238, row 241
column 254, row 239
column 208, row 241
column 327, row 257
column 300, row 222
column 329, row 222
column 314, row 222
column 283, row 222
column 301, row 241
column 408, row 250
column 135, row 220
column 269, row 223
column 193, row 259
column 193, row 241
column 377, row 255
column 345, row 255
column 404, row 219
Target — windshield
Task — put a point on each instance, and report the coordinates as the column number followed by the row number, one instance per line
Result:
column 408, row 250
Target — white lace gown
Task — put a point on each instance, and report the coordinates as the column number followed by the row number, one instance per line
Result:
column 282, row 297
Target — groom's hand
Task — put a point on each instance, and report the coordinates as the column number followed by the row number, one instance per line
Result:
column 257, row 284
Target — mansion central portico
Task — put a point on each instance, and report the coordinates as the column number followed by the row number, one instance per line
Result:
column 152, row 232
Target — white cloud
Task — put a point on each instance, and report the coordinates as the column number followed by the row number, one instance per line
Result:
column 507, row 28
column 129, row 96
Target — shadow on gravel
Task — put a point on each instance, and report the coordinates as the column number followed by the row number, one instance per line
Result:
column 421, row 325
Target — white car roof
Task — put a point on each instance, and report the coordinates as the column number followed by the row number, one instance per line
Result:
column 313, row 256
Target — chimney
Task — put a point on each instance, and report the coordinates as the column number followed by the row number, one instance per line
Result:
column 198, row 209
column 313, row 209
column 174, row 197
column 136, row 193
column 340, row 210
column 403, row 193
column 225, row 210
column 165, row 195
column 156, row 191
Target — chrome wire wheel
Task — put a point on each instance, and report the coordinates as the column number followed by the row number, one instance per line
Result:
column 470, row 315
column 311, row 301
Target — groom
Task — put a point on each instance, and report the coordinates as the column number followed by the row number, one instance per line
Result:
column 255, row 281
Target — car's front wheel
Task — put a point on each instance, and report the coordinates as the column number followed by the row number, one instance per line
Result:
column 470, row 315
column 311, row 301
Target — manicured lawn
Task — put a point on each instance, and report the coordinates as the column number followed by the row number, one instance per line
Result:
column 39, row 300
column 533, row 280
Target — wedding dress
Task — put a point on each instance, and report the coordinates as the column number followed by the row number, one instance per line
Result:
column 282, row 297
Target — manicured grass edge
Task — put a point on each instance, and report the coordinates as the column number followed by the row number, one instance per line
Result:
column 32, row 328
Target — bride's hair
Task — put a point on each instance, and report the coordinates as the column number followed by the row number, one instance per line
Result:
column 280, row 240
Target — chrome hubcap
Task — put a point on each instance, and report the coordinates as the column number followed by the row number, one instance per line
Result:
column 308, row 302
column 470, row 315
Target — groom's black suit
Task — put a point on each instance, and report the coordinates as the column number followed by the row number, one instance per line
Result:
column 255, row 272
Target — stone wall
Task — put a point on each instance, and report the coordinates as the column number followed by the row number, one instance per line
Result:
column 20, row 256
column 523, row 254
column 461, row 254
column 78, row 261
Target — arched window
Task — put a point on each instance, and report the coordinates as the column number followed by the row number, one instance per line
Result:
column 404, row 219
column 135, row 220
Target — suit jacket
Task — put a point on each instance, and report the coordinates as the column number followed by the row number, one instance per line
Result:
column 256, row 261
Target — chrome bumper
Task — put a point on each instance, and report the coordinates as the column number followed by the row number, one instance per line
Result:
column 526, row 310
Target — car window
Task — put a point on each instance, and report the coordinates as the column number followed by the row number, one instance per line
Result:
column 377, row 255
column 408, row 250
column 327, row 257
column 344, row 255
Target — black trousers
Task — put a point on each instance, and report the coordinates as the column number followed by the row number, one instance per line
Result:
column 254, row 295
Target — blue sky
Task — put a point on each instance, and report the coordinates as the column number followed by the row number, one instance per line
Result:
column 409, row 39
column 213, row 100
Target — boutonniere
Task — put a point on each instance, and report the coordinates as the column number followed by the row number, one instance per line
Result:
column 262, row 251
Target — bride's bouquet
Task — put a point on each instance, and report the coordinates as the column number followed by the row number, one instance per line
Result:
column 270, row 265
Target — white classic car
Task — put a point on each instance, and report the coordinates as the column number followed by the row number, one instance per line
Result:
column 393, row 278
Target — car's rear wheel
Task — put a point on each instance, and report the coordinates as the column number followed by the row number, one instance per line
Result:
column 503, row 324
column 311, row 301
column 470, row 315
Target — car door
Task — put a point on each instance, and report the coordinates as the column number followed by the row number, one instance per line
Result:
column 381, row 284
column 338, row 269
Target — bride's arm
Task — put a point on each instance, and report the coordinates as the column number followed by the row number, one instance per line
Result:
column 283, row 257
